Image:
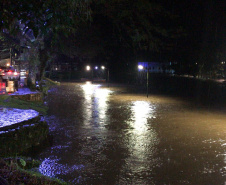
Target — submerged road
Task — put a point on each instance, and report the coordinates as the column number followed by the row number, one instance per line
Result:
column 114, row 136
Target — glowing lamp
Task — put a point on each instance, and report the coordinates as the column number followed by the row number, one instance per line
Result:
column 140, row 67
column 87, row 68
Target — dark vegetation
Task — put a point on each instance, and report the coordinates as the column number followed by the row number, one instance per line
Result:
column 19, row 138
column 23, row 171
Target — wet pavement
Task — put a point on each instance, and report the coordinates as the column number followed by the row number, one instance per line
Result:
column 112, row 136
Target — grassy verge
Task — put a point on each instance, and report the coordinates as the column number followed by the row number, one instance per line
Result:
column 9, row 101
column 46, row 84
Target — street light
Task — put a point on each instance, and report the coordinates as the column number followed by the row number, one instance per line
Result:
column 141, row 68
column 103, row 68
column 88, row 68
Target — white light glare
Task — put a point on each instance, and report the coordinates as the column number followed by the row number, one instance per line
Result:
column 102, row 67
column 87, row 68
column 140, row 67
column 96, row 67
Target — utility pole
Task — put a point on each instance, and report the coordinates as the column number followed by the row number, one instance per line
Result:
column 147, row 79
column 108, row 76
column 10, row 53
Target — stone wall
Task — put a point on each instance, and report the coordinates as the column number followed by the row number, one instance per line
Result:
column 14, row 141
column 29, row 97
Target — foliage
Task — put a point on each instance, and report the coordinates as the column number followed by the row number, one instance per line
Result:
column 46, row 84
column 23, row 162
column 137, row 24
column 15, row 175
column 42, row 19
column 44, row 16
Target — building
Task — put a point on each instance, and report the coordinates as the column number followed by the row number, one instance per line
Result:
column 156, row 67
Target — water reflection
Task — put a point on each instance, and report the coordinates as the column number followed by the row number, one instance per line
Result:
column 141, row 112
column 95, row 103
column 142, row 140
column 123, row 138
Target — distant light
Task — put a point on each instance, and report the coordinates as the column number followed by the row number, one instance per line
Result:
column 8, row 64
column 140, row 67
column 15, row 73
column 196, row 63
column 102, row 67
column 87, row 68
column 96, row 67
column 88, row 83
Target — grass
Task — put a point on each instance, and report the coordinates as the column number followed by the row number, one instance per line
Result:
column 10, row 102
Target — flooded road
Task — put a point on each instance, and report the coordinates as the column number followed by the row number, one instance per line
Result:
column 111, row 136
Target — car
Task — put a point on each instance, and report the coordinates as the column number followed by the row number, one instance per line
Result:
column 9, row 73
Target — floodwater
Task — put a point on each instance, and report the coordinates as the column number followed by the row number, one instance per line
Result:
column 111, row 136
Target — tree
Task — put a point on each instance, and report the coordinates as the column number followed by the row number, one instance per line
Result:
column 44, row 18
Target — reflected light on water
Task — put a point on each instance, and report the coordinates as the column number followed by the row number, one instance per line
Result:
column 102, row 97
column 142, row 140
column 95, row 103
column 89, row 89
column 141, row 111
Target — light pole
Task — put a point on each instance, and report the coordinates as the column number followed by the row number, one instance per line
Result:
column 88, row 68
column 141, row 68
column 108, row 77
column 103, row 68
